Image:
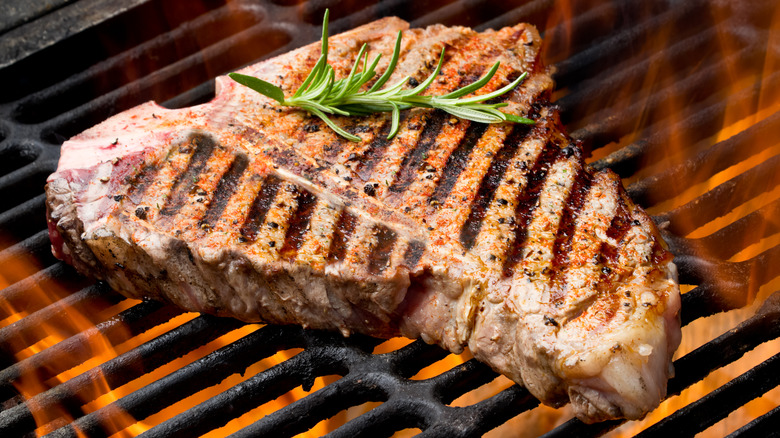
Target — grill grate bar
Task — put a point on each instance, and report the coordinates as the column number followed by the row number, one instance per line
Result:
column 153, row 354
column 57, row 278
column 572, row 104
column 21, row 334
column 716, row 405
column 129, row 66
column 749, row 230
column 410, row 403
column 723, row 286
column 36, row 249
column 477, row 419
column 723, row 198
column 324, row 354
column 370, row 379
column 609, row 125
column 76, row 349
column 697, row 126
column 66, row 355
column 696, row 365
column 26, row 219
column 166, row 82
column 710, row 161
column 682, row 19
column 764, row 426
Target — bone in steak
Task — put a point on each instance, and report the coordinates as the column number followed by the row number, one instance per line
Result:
column 495, row 237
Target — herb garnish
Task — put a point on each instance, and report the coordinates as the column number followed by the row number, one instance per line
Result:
column 320, row 94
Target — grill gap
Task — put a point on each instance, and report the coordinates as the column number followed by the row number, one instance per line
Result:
column 134, row 62
column 597, row 44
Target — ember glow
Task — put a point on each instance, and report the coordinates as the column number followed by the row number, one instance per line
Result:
column 662, row 91
column 68, row 339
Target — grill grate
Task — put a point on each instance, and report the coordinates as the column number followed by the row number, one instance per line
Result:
column 111, row 63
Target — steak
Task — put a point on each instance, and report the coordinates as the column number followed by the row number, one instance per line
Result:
column 493, row 237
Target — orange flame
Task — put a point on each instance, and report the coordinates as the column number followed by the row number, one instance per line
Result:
column 70, row 323
column 559, row 46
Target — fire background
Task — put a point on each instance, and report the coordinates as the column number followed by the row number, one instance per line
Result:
column 680, row 98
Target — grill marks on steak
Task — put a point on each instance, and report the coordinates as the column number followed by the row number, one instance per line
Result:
column 493, row 178
column 491, row 236
column 412, row 177
column 227, row 186
column 284, row 218
column 260, row 205
column 298, row 223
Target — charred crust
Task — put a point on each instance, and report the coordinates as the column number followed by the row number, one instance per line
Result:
column 370, row 189
column 311, row 127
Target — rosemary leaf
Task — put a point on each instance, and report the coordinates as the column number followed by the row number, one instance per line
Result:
column 259, row 85
column 390, row 67
column 321, row 94
column 474, row 86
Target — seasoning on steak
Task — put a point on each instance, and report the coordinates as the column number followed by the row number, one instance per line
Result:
column 495, row 237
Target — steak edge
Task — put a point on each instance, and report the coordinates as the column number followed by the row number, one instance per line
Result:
column 496, row 237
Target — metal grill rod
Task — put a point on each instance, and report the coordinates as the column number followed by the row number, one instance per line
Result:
column 696, row 365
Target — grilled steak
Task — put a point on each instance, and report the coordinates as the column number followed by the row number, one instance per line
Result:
column 495, row 237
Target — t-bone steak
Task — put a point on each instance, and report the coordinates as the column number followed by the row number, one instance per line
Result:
column 493, row 237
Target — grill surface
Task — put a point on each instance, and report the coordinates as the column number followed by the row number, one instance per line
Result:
column 74, row 65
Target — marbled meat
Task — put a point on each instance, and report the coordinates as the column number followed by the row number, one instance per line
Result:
column 493, row 237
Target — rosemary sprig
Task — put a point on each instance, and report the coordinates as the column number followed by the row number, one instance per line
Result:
column 321, row 94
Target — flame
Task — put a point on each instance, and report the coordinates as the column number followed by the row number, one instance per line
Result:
column 72, row 323
column 667, row 119
column 561, row 40
column 99, row 394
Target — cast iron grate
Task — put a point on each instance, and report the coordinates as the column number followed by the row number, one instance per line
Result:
column 108, row 66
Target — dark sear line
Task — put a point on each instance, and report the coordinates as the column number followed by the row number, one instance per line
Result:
column 226, row 187
column 345, row 226
column 526, row 205
column 566, row 229
column 260, row 206
column 353, row 125
column 380, row 253
column 299, row 223
column 457, row 161
column 204, row 148
column 415, row 160
column 139, row 182
column 469, row 72
column 618, row 229
column 490, row 182
column 459, row 158
column 411, row 163
column 413, row 253
column 376, row 149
